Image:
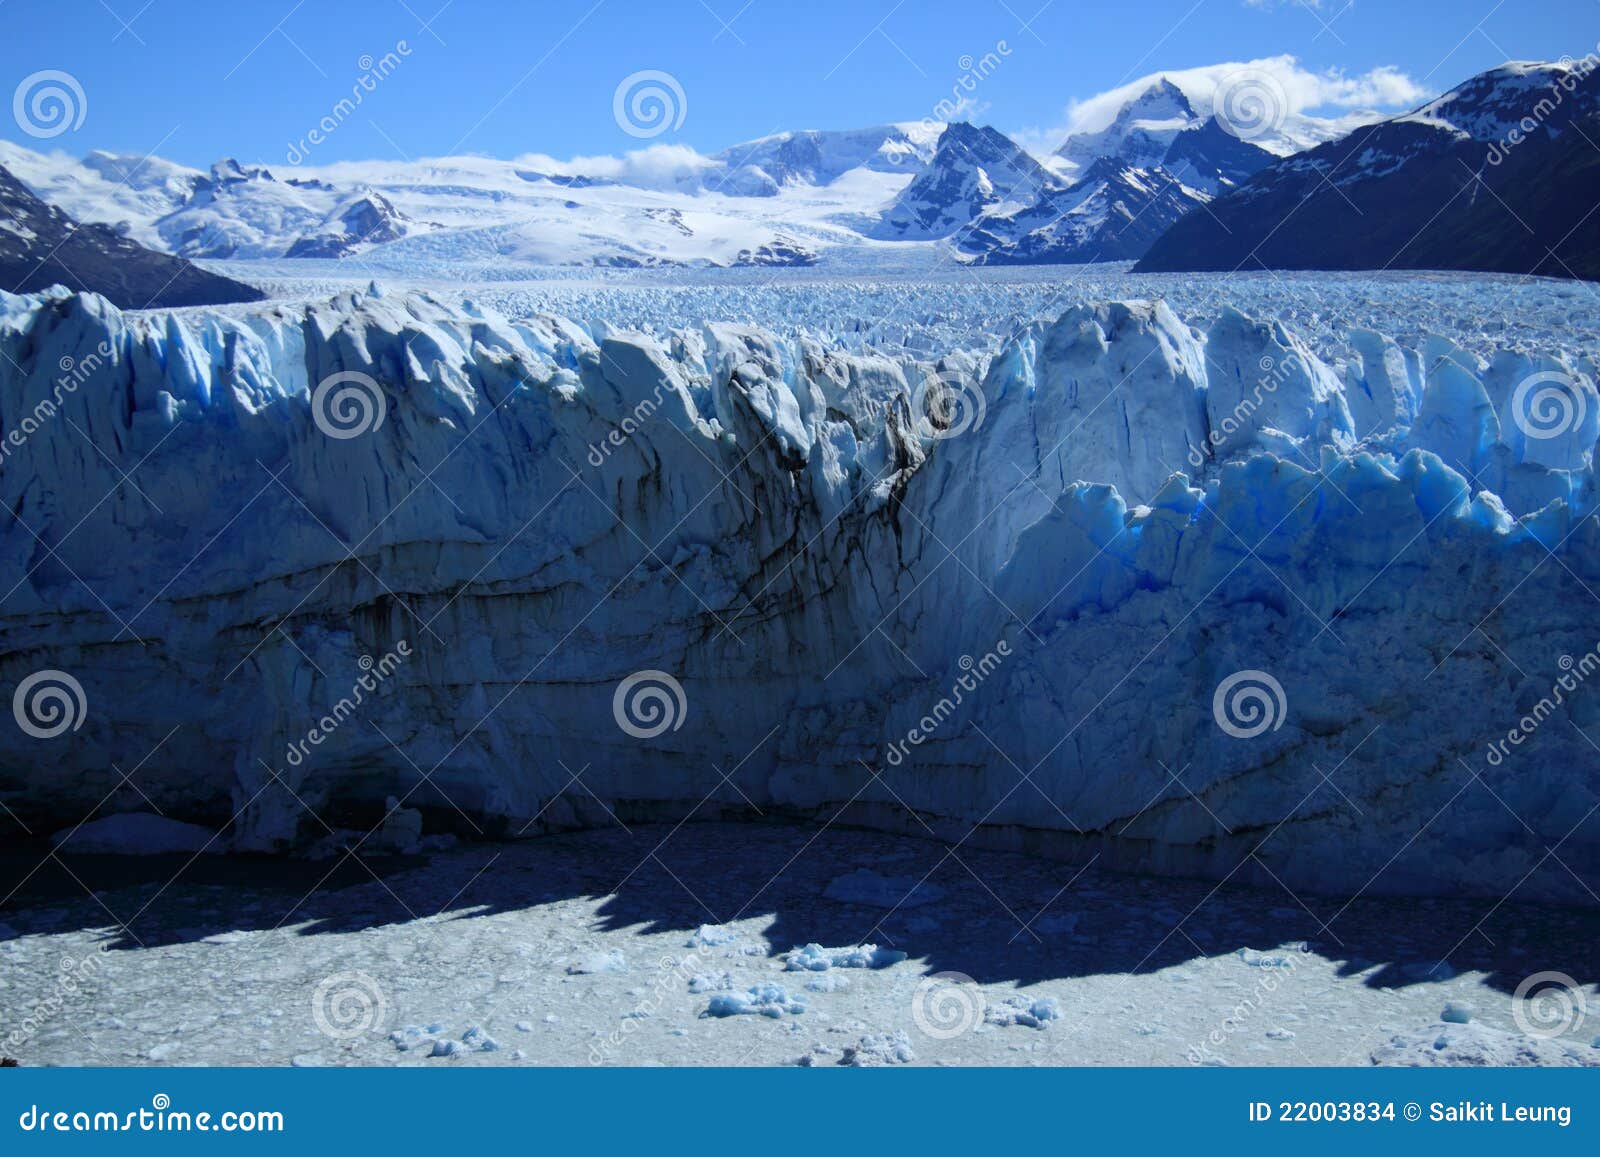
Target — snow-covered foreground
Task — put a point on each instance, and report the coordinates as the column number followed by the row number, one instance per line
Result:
column 656, row 945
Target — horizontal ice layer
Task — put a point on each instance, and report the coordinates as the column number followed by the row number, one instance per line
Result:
column 1009, row 593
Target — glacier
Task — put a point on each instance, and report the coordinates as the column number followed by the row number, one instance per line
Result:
column 1030, row 569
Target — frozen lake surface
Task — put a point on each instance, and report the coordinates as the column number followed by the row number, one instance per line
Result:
column 611, row 946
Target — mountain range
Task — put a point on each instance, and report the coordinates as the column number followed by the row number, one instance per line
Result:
column 1435, row 187
column 1501, row 173
column 41, row 246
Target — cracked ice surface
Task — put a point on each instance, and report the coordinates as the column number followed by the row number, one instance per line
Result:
column 782, row 524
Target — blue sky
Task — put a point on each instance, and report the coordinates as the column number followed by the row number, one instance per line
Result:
column 194, row 81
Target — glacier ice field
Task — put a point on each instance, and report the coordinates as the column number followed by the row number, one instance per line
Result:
column 1271, row 597
column 1014, row 587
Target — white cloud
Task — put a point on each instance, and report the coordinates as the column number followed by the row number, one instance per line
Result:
column 1316, row 104
column 655, row 167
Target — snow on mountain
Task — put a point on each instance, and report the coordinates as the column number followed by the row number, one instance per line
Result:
column 1160, row 129
column 1273, row 103
column 1111, row 213
column 42, row 246
column 516, row 523
column 366, row 219
column 1499, row 174
column 1488, row 106
column 129, row 193
column 972, row 171
column 1141, row 133
column 820, row 158
column 822, row 188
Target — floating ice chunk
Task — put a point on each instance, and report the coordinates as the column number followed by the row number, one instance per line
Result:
column 448, row 1048
column 816, row 958
column 1263, row 959
column 703, row 982
column 476, row 1038
column 1479, row 1045
column 827, row 982
column 771, row 1000
column 869, row 888
column 136, row 834
column 408, row 1037
column 888, row 1048
column 711, row 936
column 1020, row 1010
column 612, row 961
column 402, row 828
column 1457, row 1012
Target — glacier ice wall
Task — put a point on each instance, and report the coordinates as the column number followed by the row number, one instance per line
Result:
column 303, row 560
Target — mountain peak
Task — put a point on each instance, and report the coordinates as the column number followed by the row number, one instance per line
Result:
column 973, row 169
column 1161, row 99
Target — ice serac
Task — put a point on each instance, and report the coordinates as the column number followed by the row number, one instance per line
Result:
column 992, row 598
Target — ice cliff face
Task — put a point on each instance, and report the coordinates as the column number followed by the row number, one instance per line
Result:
column 300, row 561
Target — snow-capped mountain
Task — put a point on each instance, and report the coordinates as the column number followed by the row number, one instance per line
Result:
column 764, row 166
column 1140, row 134
column 1160, row 128
column 973, row 171
column 1500, row 174
column 42, row 246
column 366, row 219
column 791, row 198
column 1112, row 213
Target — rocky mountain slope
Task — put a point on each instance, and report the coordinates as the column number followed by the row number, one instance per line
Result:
column 41, row 246
column 1499, row 174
